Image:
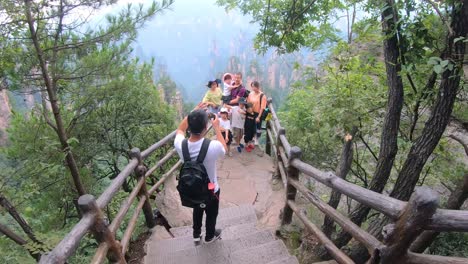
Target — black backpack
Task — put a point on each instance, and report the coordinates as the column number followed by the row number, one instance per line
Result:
column 193, row 178
column 247, row 92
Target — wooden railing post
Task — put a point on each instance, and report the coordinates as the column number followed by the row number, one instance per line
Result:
column 87, row 204
column 291, row 191
column 281, row 131
column 399, row 236
column 140, row 172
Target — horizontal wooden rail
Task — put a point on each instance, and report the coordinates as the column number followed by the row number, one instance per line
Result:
column 125, row 206
column 283, row 156
column 443, row 220
column 370, row 242
column 384, row 204
column 415, row 258
column 116, row 184
column 284, row 177
column 160, row 163
column 337, row 254
column 449, row 220
column 157, row 145
column 164, row 177
column 70, row 242
column 131, row 225
column 410, row 218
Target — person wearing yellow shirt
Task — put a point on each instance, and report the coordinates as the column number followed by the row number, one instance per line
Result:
column 212, row 97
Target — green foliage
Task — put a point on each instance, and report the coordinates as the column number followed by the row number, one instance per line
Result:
column 108, row 104
column 348, row 93
column 451, row 244
column 289, row 25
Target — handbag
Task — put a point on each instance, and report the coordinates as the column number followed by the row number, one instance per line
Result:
column 266, row 111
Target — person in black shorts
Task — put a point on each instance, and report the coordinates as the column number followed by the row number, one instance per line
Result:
column 250, row 128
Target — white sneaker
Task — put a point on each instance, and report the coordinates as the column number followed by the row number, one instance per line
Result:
column 256, row 141
column 230, row 154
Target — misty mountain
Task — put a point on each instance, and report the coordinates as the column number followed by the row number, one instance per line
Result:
column 197, row 41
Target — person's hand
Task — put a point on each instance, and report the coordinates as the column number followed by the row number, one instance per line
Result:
column 200, row 106
column 258, row 119
column 215, row 123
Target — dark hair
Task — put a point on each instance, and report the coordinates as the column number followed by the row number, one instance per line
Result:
column 239, row 73
column 248, row 105
column 255, row 84
column 197, row 121
column 211, row 82
column 228, row 77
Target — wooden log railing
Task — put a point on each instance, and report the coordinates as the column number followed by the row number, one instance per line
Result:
column 410, row 218
column 93, row 219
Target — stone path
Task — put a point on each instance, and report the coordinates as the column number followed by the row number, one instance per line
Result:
column 250, row 207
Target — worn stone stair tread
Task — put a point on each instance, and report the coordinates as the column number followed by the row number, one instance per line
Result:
column 326, row 262
column 261, row 254
column 227, row 217
column 185, row 245
column 229, row 231
column 180, row 250
column 285, row 260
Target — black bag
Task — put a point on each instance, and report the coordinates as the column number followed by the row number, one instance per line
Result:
column 193, row 178
column 266, row 111
column 247, row 92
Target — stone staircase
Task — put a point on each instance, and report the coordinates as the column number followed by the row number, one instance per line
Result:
column 242, row 243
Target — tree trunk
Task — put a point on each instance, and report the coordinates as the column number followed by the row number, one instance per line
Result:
column 388, row 139
column 455, row 201
column 17, row 239
column 342, row 170
column 18, row 218
column 440, row 116
column 51, row 91
column 433, row 129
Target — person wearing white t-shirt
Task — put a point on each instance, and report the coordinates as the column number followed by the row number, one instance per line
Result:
column 227, row 87
column 238, row 113
column 196, row 122
column 225, row 124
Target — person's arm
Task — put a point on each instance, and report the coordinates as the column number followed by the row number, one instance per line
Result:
column 183, row 126
column 219, row 136
column 235, row 100
column 262, row 107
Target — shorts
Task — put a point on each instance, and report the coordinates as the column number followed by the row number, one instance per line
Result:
column 229, row 137
column 226, row 99
column 238, row 132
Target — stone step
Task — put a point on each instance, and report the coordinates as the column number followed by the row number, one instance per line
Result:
column 227, row 217
column 326, row 262
column 286, row 260
column 183, row 250
column 261, row 254
column 229, row 232
column 233, row 243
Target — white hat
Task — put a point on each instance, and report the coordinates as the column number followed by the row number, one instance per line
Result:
column 223, row 110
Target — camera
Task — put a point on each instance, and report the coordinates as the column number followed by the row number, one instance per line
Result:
column 211, row 116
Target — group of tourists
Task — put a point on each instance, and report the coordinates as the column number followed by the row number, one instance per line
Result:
column 241, row 110
column 232, row 110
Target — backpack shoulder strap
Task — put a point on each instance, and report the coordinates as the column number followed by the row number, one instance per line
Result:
column 185, row 151
column 203, row 150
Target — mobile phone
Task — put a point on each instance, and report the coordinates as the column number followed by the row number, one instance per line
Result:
column 211, row 116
